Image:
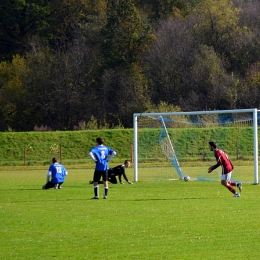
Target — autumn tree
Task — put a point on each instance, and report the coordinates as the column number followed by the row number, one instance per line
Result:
column 168, row 61
column 250, row 87
column 60, row 85
column 15, row 109
column 218, row 26
column 248, row 52
column 211, row 86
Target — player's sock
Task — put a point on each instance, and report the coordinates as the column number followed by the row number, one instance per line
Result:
column 105, row 191
column 96, row 191
column 232, row 183
column 231, row 189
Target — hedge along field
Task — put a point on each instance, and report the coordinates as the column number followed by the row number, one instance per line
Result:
column 72, row 147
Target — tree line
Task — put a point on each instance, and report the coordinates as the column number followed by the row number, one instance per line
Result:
column 91, row 64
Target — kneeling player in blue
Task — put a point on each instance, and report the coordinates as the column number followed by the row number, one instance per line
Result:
column 57, row 172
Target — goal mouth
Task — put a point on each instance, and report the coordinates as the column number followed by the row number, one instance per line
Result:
column 176, row 142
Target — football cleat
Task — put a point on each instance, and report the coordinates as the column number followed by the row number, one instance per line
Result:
column 237, row 195
column 239, row 185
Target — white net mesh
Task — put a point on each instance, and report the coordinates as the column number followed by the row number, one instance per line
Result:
column 188, row 148
column 167, row 148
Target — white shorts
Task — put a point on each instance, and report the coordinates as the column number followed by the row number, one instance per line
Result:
column 226, row 177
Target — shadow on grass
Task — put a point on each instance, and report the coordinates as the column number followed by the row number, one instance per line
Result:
column 197, row 198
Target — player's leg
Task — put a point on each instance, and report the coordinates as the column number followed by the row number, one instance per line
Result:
column 239, row 185
column 225, row 181
column 48, row 185
column 59, row 185
column 112, row 179
column 236, row 184
column 96, row 179
column 105, row 182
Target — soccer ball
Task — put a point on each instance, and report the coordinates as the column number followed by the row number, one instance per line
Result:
column 186, row 178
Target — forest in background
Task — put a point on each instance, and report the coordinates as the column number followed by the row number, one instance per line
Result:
column 91, row 64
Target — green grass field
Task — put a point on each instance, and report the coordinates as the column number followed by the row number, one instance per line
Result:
column 146, row 220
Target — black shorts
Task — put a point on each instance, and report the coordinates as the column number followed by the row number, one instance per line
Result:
column 50, row 185
column 98, row 174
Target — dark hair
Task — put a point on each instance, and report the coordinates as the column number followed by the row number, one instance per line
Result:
column 54, row 160
column 100, row 140
column 126, row 161
column 213, row 144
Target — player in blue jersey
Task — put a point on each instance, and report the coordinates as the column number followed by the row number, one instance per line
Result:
column 101, row 155
column 57, row 172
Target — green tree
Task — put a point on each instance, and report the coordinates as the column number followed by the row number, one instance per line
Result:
column 124, row 87
column 162, row 107
column 161, row 9
column 21, row 21
column 125, row 36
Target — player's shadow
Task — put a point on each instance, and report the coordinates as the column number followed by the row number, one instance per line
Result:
column 154, row 199
column 25, row 189
column 44, row 200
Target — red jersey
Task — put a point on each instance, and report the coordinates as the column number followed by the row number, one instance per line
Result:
column 223, row 160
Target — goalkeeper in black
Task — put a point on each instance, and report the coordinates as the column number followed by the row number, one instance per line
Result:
column 118, row 171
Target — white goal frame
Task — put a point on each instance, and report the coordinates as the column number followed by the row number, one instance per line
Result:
column 255, row 131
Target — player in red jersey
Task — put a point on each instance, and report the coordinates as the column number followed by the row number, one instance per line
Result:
column 227, row 167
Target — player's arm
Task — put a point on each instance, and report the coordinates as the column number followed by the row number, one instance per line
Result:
column 213, row 167
column 124, row 175
column 92, row 156
column 120, row 178
column 111, row 156
column 48, row 176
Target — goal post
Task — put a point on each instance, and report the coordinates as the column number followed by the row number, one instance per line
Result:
column 193, row 130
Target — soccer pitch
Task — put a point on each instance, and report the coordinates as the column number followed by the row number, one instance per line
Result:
column 146, row 220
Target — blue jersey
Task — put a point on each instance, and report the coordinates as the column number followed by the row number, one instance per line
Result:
column 101, row 153
column 58, row 173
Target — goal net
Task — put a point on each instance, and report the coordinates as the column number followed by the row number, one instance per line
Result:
column 169, row 146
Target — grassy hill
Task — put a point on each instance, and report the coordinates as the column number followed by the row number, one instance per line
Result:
column 72, row 147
